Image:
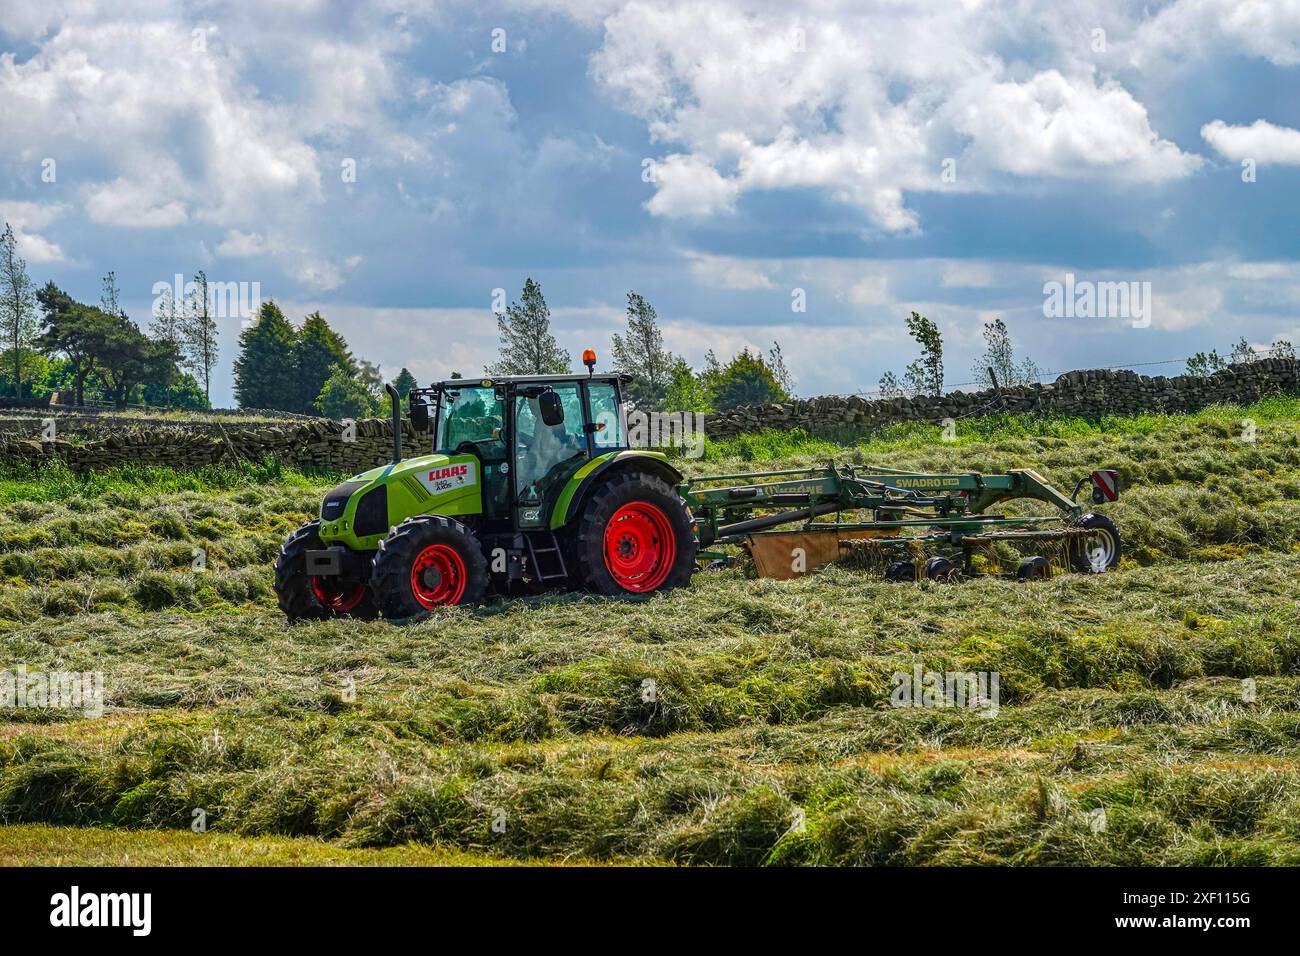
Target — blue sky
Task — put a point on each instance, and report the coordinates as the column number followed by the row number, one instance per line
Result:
column 795, row 145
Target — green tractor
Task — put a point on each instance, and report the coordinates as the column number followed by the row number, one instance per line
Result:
column 530, row 484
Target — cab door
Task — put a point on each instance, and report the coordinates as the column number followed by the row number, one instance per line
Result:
column 545, row 455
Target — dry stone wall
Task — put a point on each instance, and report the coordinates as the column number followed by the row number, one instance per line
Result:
column 1089, row 394
column 321, row 443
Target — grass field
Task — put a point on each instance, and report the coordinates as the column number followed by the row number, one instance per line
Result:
column 521, row 732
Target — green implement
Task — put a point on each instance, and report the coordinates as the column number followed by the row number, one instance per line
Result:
column 793, row 521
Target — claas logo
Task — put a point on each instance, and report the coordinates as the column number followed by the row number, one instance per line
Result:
column 451, row 471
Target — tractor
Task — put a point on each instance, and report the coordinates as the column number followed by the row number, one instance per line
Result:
column 529, row 484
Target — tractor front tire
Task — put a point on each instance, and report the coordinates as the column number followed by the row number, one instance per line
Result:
column 425, row 563
column 304, row 597
column 634, row 537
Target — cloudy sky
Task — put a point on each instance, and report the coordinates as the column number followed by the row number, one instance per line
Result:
column 393, row 163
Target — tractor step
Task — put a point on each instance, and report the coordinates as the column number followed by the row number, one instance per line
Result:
column 538, row 557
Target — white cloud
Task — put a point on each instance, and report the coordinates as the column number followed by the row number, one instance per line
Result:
column 871, row 290
column 965, row 275
column 1260, row 141
column 723, row 272
column 689, row 186
column 28, row 217
column 865, row 100
column 238, row 245
column 1197, row 29
column 1052, row 126
column 1259, row 271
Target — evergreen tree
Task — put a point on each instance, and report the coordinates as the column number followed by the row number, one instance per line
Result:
column 527, row 345
column 74, row 330
column 18, row 322
column 198, row 334
column 746, row 380
column 125, row 358
column 109, row 297
column 404, row 382
column 317, row 349
column 641, row 354
column 264, row 372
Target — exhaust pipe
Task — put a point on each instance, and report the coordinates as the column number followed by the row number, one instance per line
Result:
column 396, row 399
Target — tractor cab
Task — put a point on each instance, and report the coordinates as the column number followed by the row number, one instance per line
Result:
column 529, row 433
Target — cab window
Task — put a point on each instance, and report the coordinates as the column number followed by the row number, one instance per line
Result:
column 607, row 416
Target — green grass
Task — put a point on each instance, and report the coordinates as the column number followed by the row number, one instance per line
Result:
column 522, row 731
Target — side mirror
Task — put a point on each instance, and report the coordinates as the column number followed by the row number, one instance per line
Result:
column 419, row 413
column 551, row 408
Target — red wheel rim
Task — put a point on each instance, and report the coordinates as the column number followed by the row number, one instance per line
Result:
column 640, row 546
column 438, row 576
column 337, row 596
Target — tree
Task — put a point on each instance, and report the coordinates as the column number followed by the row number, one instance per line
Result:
column 316, row 350
column 109, row 298
column 264, row 371
column 404, row 382
column 925, row 375
column 344, row 395
column 527, row 345
column 1206, row 364
column 18, row 322
column 198, row 334
column 125, row 357
column 642, row 355
column 74, row 330
column 1282, row 349
column 746, row 380
column 184, row 392
column 890, row 386
column 166, row 324
column 999, row 355
column 1241, row 352
column 371, row 377
column 776, row 362
column 687, row 392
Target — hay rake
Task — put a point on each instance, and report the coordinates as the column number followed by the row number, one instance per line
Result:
column 934, row 526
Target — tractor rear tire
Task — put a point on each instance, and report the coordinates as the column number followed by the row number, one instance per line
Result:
column 425, row 563
column 1099, row 550
column 304, row 597
column 634, row 537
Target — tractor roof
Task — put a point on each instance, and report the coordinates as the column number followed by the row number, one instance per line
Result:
column 534, row 379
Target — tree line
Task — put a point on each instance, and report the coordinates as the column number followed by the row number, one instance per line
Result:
column 660, row 380
column 308, row 370
column 50, row 342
